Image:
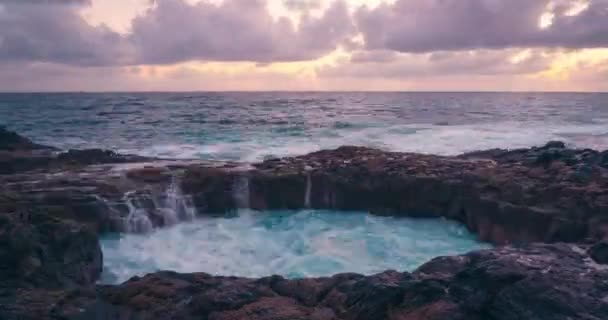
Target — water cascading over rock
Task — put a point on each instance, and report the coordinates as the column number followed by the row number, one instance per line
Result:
column 308, row 191
column 156, row 206
column 240, row 192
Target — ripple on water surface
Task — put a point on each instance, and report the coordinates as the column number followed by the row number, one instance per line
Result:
column 290, row 243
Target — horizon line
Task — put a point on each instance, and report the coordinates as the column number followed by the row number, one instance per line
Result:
column 288, row 91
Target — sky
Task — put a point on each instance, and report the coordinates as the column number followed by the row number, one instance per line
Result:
column 304, row 45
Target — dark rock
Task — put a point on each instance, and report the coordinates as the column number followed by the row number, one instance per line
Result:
column 96, row 156
column 46, row 252
column 503, row 196
column 52, row 207
column 599, row 252
column 603, row 159
column 555, row 145
column 546, row 157
column 150, row 174
column 583, row 173
column 554, row 282
column 89, row 156
column 14, row 162
column 11, row 141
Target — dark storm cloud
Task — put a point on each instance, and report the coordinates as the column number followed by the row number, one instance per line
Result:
column 434, row 25
column 236, row 30
column 56, row 33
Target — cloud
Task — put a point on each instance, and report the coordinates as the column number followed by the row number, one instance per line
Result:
column 373, row 56
column 235, row 30
column 302, row 5
column 383, row 64
column 46, row 2
column 48, row 44
column 57, row 33
column 171, row 31
column 436, row 25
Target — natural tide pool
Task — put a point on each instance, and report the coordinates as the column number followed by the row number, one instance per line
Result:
column 293, row 244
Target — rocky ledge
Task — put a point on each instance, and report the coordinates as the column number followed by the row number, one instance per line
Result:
column 53, row 206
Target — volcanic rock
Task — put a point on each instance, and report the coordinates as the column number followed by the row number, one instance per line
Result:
column 556, row 282
column 53, row 206
column 11, row 141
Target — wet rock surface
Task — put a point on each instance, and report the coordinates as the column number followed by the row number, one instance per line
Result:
column 554, row 282
column 11, row 141
column 503, row 196
column 53, row 206
column 19, row 154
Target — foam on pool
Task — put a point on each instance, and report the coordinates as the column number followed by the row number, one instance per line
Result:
column 290, row 243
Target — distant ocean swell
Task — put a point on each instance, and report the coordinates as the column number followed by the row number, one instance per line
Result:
column 254, row 126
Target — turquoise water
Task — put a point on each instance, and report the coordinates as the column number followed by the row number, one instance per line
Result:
column 290, row 243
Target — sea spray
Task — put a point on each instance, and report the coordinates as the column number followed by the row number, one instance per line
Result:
column 308, row 191
column 240, row 191
column 179, row 205
column 294, row 244
column 165, row 208
column 137, row 219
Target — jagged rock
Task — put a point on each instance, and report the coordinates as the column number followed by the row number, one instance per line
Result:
column 555, row 145
column 503, row 196
column 556, row 282
column 42, row 251
column 11, row 141
column 96, row 156
column 599, row 252
column 53, row 207
column 603, row 159
column 150, row 174
column 19, row 154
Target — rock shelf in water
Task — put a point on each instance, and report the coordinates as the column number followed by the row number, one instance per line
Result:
column 54, row 205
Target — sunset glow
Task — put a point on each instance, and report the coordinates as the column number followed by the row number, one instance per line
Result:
column 306, row 45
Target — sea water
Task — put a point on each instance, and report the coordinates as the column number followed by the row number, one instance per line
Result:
column 293, row 244
column 253, row 126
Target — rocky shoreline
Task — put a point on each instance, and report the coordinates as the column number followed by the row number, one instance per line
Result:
column 548, row 204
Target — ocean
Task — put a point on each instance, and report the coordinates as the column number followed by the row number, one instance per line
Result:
column 252, row 126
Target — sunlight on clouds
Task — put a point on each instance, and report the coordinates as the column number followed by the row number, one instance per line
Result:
column 564, row 65
column 576, row 8
column 303, row 76
column 567, row 63
column 546, row 20
column 304, row 69
column 117, row 14
column 521, row 56
column 573, row 8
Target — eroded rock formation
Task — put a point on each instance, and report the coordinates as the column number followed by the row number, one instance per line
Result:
column 53, row 206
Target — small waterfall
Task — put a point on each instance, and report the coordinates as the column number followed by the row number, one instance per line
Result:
column 240, row 192
column 137, row 220
column 308, row 190
column 180, row 206
column 150, row 209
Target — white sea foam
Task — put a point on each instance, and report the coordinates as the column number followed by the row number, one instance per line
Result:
column 293, row 244
column 253, row 126
column 172, row 206
column 424, row 138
